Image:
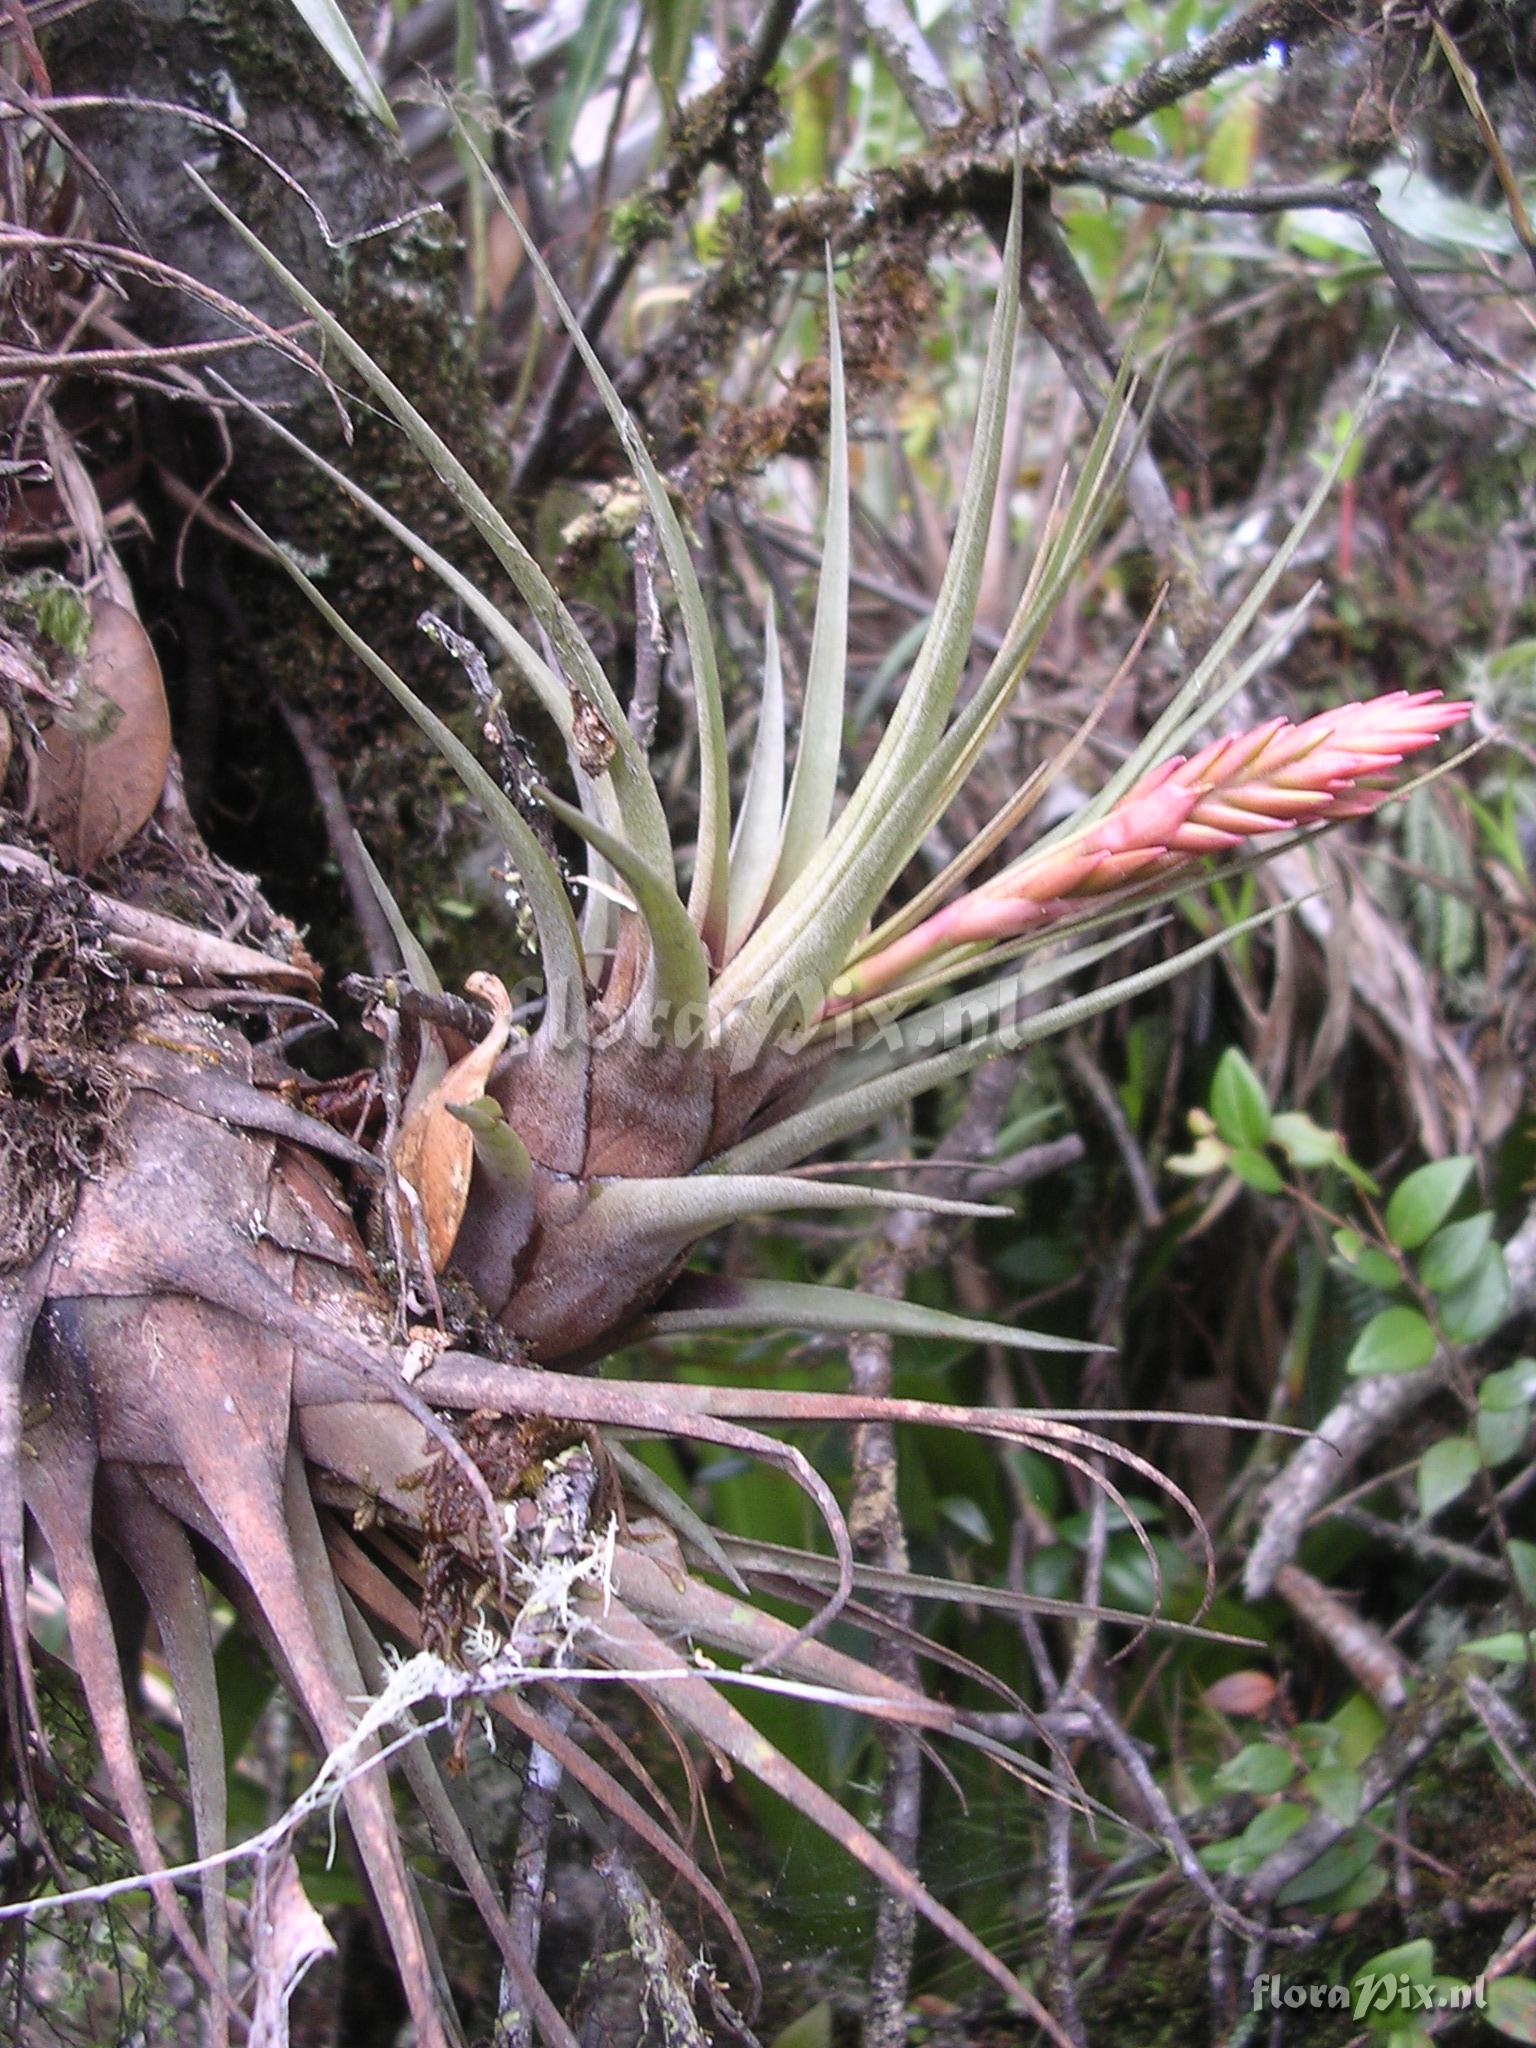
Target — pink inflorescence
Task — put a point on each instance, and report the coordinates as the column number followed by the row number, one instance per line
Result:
column 1270, row 779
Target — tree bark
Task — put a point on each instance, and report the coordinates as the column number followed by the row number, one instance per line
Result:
column 235, row 636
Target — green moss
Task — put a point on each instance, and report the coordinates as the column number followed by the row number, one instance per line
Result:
column 636, row 221
column 53, row 605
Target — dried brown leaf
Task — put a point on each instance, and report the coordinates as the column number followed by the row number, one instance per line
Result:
column 436, row 1152
column 1246, row 1693
column 101, row 766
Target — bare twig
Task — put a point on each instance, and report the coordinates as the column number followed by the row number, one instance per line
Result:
column 1061, row 1909
column 874, row 1521
column 470, row 1019
column 1020, row 1169
column 1157, row 186
column 663, row 1961
column 372, row 925
column 1443, row 1552
column 1096, row 1085
column 1160, row 1816
column 1352, row 197
column 542, row 1774
column 1358, row 1644
column 518, row 151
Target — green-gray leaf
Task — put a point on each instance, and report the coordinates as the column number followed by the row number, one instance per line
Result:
column 1511, row 2007
column 705, row 1302
column 1337, row 1790
column 333, row 32
column 1513, row 1386
column 1256, row 1170
column 1501, row 1433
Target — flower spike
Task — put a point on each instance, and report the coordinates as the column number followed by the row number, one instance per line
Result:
column 1272, row 778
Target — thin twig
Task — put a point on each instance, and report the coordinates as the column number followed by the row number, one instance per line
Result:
column 461, row 1014
column 518, row 151
column 1021, row 1169
column 542, row 1774
column 372, row 924
column 1096, row 1085
column 1061, row 1908
column 874, row 1521
column 1378, row 1669
column 1353, row 197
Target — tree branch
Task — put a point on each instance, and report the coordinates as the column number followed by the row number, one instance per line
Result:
column 1066, row 130
column 704, row 128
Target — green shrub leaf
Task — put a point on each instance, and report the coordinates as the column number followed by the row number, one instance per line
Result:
column 1260, row 1767
column 1396, row 1340
column 1501, row 1433
column 1368, row 1261
column 1255, row 1169
column 1511, row 1387
column 1450, row 1258
column 1509, row 1646
column 1511, row 2007
column 1338, row 1790
column 1522, row 1560
column 1445, row 1472
column 1333, row 1871
column 1477, row 1306
column 1305, row 1143
column 1421, row 1203
column 1239, row 1104
column 1414, row 1960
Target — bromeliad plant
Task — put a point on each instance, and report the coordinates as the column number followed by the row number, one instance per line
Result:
column 220, row 1380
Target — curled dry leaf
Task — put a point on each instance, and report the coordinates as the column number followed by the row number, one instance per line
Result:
column 436, row 1152
column 100, row 768
column 1244, row 1693
column 18, row 668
